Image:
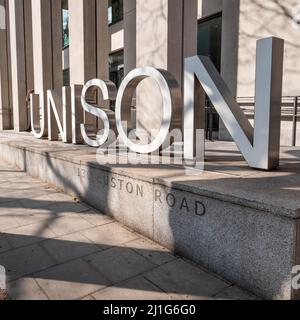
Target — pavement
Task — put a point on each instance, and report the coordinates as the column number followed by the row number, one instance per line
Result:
column 54, row 247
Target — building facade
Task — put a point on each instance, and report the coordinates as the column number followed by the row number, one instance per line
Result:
column 49, row 44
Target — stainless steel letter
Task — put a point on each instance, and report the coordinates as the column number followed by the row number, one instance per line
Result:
column 260, row 147
column 109, row 92
column 38, row 115
column 171, row 102
column 59, row 121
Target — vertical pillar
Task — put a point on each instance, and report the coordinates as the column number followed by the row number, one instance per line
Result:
column 230, row 55
column 28, row 45
column 5, row 120
column 129, row 35
column 47, row 51
column 102, row 39
column 83, row 46
column 19, row 24
column 9, row 64
column 102, row 49
column 130, row 51
column 83, row 39
column 190, row 44
column 166, row 32
column 56, row 11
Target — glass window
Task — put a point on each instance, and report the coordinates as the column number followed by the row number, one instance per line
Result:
column 65, row 31
column 210, row 39
column 116, row 67
column 115, row 11
column 66, row 77
column 210, row 44
column 65, row 41
column 116, row 70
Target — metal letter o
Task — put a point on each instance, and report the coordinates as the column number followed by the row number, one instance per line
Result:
column 170, row 95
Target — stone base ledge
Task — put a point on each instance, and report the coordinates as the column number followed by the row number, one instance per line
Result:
column 239, row 223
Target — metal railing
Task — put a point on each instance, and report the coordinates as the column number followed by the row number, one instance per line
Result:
column 295, row 121
column 210, row 114
column 289, row 112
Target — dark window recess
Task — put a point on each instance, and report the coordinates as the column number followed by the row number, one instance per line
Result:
column 115, row 11
column 210, row 44
column 210, row 39
column 116, row 69
column 66, row 77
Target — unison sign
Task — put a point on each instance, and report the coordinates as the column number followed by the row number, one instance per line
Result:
column 259, row 145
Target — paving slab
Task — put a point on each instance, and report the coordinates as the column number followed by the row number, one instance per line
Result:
column 137, row 288
column 24, row 261
column 95, row 218
column 8, row 222
column 68, row 224
column 54, row 247
column 109, row 235
column 119, row 264
column 4, row 244
column 180, row 277
column 70, row 247
column 31, row 234
column 25, row 289
column 155, row 253
column 234, row 293
column 28, row 216
column 68, row 206
column 70, row 281
column 45, row 200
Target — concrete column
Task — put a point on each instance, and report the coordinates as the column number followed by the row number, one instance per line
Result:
column 102, row 39
column 5, row 112
column 166, row 32
column 47, row 49
column 83, row 46
column 56, row 10
column 129, row 23
column 47, row 53
column 129, row 35
column 83, row 41
column 190, row 45
column 19, row 24
column 28, row 45
column 230, row 45
column 102, row 34
column 9, row 63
